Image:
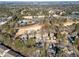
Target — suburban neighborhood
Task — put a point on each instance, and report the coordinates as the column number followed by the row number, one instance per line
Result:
column 32, row 29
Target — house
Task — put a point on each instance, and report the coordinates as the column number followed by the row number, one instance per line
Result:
column 52, row 35
column 75, row 13
column 38, row 36
column 39, row 44
column 41, row 16
column 27, row 17
column 53, row 49
column 3, row 20
column 51, row 12
column 71, row 38
column 31, row 34
column 42, row 35
column 62, row 13
column 45, row 36
column 56, row 16
column 23, row 37
column 23, row 22
column 37, row 53
column 10, row 17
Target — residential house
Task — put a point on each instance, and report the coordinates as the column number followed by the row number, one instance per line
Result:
column 23, row 37
column 52, row 35
column 3, row 20
column 38, row 36
column 31, row 34
column 52, row 49
column 27, row 17
column 45, row 36
column 23, row 22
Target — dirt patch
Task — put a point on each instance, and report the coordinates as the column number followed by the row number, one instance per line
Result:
column 34, row 27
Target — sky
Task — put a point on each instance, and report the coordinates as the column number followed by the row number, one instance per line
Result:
column 39, row 0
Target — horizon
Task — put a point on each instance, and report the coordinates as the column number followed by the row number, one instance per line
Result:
column 39, row 0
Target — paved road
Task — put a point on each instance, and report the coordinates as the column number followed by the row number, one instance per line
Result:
column 4, row 54
column 9, row 52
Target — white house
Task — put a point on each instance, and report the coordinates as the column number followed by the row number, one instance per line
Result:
column 3, row 20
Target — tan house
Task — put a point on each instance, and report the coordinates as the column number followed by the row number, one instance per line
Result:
column 27, row 17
